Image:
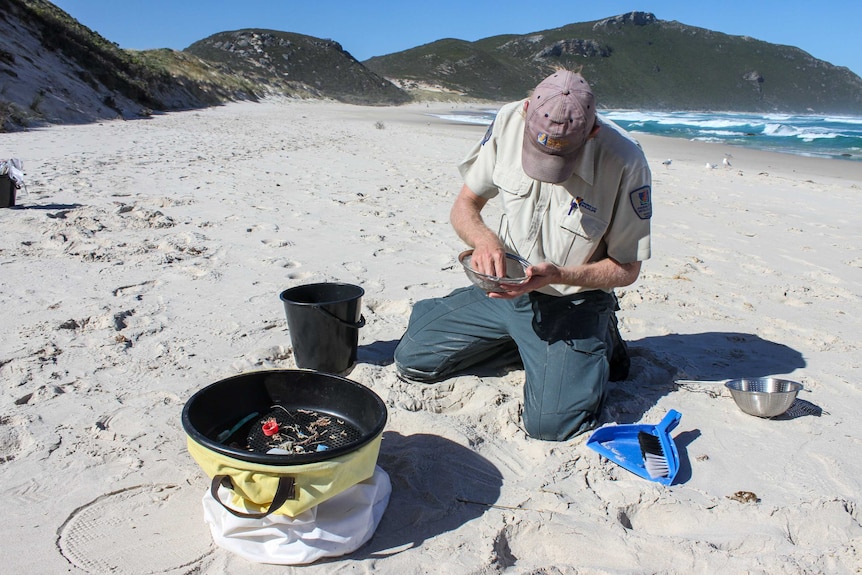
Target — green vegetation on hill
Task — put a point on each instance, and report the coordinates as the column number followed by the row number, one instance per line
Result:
column 296, row 64
column 636, row 61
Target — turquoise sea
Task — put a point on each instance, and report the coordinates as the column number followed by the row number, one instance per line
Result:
column 808, row 135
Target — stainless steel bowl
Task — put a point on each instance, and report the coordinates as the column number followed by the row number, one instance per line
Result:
column 763, row 396
column 516, row 267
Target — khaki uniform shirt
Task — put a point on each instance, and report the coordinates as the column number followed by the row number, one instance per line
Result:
column 602, row 210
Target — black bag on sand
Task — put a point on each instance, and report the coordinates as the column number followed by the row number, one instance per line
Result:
column 7, row 191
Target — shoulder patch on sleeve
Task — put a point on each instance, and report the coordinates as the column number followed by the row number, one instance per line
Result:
column 641, row 200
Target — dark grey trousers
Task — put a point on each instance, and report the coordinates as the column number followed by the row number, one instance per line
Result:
column 563, row 342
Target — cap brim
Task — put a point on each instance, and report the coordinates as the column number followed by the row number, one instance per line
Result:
column 546, row 167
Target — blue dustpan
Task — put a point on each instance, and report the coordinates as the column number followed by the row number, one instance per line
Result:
column 620, row 444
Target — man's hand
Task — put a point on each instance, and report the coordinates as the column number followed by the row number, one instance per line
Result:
column 538, row 276
column 489, row 260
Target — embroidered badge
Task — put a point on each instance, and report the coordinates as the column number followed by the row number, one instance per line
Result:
column 545, row 140
column 642, row 202
column 582, row 204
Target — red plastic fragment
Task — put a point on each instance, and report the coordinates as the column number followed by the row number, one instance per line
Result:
column 270, row 427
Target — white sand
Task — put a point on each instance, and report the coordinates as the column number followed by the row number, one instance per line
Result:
column 146, row 261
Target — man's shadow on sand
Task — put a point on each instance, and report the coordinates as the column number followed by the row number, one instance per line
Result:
column 61, row 209
column 657, row 362
column 711, row 357
column 377, row 353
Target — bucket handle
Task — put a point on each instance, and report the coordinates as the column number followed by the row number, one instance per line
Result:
column 357, row 325
column 286, row 490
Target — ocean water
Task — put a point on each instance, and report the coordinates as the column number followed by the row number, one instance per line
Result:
column 815, row 135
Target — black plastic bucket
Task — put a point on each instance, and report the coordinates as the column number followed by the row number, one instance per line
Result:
column 324, row 321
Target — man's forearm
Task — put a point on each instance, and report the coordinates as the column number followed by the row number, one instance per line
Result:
column 466, row 219
column 603, row 274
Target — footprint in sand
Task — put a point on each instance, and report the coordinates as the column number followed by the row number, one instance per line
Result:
column 389, row 307
column 14, row 438
column 425, row 285
column 134, row 289
column 298, row 275
column 272, row 228
column 277, row 243
column 354, row 267
column 267, row 358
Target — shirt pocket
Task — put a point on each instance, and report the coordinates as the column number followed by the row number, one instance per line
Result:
column 518, row 193
column 584, row 224
column 513, row 182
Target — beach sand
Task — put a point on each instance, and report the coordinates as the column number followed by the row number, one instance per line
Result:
column 146, row 259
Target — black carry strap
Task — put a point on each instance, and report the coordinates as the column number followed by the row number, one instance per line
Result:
column 286, row 491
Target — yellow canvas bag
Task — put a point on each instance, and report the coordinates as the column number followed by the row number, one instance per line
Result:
column 283, row 489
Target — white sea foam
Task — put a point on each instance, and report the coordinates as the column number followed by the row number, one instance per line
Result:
column 830, row 136
column 465, row 118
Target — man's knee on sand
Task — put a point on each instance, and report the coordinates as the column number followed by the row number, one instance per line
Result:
column 409, row 362
column 559, row 426
column 579, row 411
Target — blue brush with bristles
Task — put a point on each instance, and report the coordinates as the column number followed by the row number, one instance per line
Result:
column 645, row 450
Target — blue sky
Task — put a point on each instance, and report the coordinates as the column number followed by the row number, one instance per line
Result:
column 828, row 29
